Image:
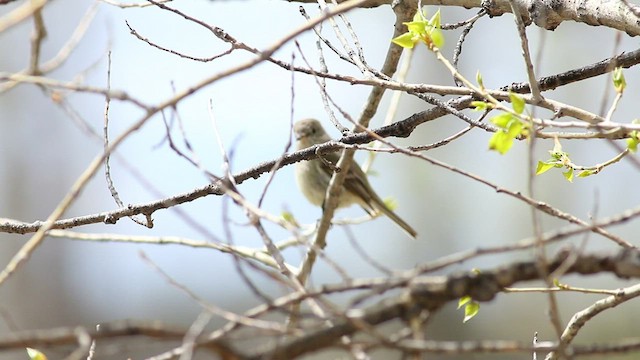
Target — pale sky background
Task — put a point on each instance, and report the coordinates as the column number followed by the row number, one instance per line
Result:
column 42, row 152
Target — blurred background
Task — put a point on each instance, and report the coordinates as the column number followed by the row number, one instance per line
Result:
column 43, row 150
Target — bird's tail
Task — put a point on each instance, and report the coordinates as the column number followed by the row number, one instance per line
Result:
column 380, row 206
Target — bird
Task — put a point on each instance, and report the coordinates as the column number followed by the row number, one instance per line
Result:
column 313, row 177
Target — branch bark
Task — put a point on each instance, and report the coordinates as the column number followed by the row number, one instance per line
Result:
column 547, row 14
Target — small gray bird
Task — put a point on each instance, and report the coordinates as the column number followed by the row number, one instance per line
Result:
column 313, row 177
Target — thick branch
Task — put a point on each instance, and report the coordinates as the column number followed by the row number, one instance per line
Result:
column 431, row 293
column 547, row 14
column 428, row 293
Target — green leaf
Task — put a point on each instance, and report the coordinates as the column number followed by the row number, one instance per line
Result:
column 568, row 175
column 405, row 40
column 435, row 20
column 390, row 203
column 586, row 173
column 544, row 166
column 511, row 128
column 419, row 17
column 481, row 105
column 35, row 354
column 619, row 83
column 417, row 27
column 437, row 38
column 501, row 142
column 471, row 310
column 632, row 144
column 435, row 33
column 558, row 155
column 463, row 300
column 514, row 128
column 517, row 102
column 634, row 138
column 421, row 29
column 479, row 79
column 288, row 217
column 502, row 120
